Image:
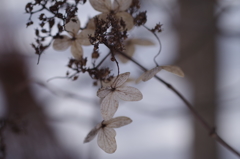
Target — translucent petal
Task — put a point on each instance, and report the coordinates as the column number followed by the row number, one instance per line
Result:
column 128, row 93
column 61, row 44
column 130, row 49
column 127, row 18
column 101, row 5
column 103, row 92
column 174, row 69
column 106, row 140
column 143, row 42
column 77, row 50
column 118, row 122
column 120, row 79
column 92, row 133
column 109, row 106
column 83, row 37
column 73, row 26
column 149, row 74
column 121, row 5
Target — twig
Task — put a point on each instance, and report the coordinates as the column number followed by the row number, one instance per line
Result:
column 206, row 125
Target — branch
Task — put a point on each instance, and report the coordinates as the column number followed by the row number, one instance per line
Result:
column 206, row 125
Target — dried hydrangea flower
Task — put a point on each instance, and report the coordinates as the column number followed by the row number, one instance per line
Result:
column 150, row 73
column 118, row 7
column 130, row 47
column 114, row 90
column 106, row 134
column 75, row 41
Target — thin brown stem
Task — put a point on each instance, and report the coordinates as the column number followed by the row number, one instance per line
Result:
column 206, row 125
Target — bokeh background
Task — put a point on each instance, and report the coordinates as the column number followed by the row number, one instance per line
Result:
column 51, row 119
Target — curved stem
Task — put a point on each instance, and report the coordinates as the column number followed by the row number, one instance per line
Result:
column 206, row 125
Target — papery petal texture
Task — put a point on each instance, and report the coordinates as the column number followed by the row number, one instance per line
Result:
column 118, row 122
column 92, row 133
column 73, row 26
column 61, row 44
column 77, row 50
column 149, row 74
column 128, row 93
column 120, row 79
column 101, row 5
column 130, row 49
column 106, row 140
column 127, row 18
column 121, row 5
column 83, row 37
column 103, row 92
column 109, row 106
column 174, row 69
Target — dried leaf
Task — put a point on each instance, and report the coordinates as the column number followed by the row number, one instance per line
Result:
column 174, row 69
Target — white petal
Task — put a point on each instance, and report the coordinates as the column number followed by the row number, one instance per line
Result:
column 174, row 69
column 61, row 44
column 101, row 5
column 83, row 37
column 130, row 49
column 118, row 122
column 121, row 5
column 120, row 79
column 149, row 74
column 77, row 51
column 109, row 106
column 103, row 92
column 73, row 26
column 106, row 140
column 92, row 133
column 127, row 18
column 128, row 93
column 143, row 42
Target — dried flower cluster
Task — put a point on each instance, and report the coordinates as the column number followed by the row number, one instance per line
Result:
column 109, row 28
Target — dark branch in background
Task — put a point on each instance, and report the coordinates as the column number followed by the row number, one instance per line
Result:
column 198, row 117
column 2, row 143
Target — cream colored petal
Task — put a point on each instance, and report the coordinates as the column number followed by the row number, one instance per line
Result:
column 103, row 92
column 128, row 93
column 109, row 106
column 130, row 49
column 101, row 5
column 92, row 133
column 77, row 51
column 174, row 69
column 143, row 42
column 106, row 140
column 83, row 37
column 120, row 79
column 118, row 122
column 149, row 74
column 91, row 24
column 127, row 18
column 61, row 44
column 73, row 26
column 121, row 5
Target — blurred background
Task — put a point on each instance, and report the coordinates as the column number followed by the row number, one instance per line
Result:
column 51, row 119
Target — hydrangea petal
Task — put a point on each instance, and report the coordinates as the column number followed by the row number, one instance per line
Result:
column 120, row 79
column 101, row 5
column 128, row 93
column 127, row 18
column 61, row 44
column 77, row 50
column 174, row 69
column 121, row 5
column 143, row 42
column 109, row 106
column 83, row 37
column 73, row 26
column 149, row 74
column 117, row 122
column 103, row 92
column 130, row 49
column 106, row 140
column 92, row 133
